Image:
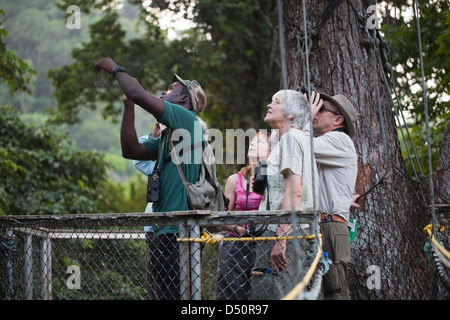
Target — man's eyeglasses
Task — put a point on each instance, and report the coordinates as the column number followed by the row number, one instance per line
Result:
column 323, row 109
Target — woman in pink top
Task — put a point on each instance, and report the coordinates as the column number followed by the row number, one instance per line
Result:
column 237, row 258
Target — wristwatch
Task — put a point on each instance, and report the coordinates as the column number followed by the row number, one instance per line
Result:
column 117, row 69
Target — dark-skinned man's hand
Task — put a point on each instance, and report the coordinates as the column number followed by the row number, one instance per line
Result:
column 106, row 64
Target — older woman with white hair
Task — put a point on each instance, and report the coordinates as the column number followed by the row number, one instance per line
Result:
column 289, row 175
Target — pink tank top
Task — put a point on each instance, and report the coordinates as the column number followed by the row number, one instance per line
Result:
column 242, row 203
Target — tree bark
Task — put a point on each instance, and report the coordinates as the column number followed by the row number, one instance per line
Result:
column 389, row 242
column 441, row 185
column 442, row 174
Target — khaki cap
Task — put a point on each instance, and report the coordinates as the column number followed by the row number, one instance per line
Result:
column 196, row 93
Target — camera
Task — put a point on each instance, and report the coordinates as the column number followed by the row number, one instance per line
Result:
column 153, row 186
column 260, row 182
column 306, row 90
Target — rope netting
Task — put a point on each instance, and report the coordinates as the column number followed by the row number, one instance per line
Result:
column 438, row 254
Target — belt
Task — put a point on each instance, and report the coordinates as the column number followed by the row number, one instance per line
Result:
column 324, row 217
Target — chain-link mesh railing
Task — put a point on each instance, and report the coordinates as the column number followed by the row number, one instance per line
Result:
column 177, row 255
column 388, row 259
column 437, row 249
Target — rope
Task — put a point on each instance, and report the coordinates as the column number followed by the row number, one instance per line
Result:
column 380, row 113
column 392, row 81
column 282, row 46
column 212, row 239
column 425, row 104
column 399, row 109
column 330, row 9
column 376, row 59
column 307, row 278
column 441, row 263
column 428, row 230
column 302, row 54
column 440, row 256
column 209, row 238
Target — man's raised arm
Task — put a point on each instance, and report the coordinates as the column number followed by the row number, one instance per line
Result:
column 131, row 87
column 131, row 147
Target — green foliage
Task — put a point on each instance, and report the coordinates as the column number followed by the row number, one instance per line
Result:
column 13, row 70
column 110, row 270
column 77, row 87
column 418, row 164
column 38, row 33
column 435, row 40
column 232, row 51
column 76, row 84
column 122, row 197
column 41, row 172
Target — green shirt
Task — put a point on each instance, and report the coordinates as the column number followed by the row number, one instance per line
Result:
column 182, row 122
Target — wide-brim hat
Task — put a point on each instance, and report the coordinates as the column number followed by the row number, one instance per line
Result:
column 347, row 110
column 196, row 93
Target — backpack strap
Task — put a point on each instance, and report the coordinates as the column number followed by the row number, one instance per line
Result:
column 177, row 162
column 203, row 145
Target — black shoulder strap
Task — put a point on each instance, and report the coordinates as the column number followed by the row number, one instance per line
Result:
column 168, row 158
column 165, row 161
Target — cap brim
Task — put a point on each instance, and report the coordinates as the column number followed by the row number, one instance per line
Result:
column 348, row 119
column 176, row 78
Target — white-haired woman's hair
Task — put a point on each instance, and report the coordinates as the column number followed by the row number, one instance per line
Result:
column 295, row 106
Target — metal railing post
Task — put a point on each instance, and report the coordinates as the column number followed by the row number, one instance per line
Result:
column 10, row 248
column 196, row 281
column 46, row 269
column 184, row 263
column 28, row 278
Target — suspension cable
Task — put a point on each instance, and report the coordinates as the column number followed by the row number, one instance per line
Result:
column 425, row 104
column 282, row 45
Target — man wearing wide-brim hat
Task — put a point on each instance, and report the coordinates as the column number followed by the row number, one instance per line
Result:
column 334, row 127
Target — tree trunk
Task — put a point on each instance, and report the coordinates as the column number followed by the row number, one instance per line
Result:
column 442, row 175
column 388, row 260
column 441, row 184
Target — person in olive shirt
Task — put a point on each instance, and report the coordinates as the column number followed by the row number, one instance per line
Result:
column 177, row 109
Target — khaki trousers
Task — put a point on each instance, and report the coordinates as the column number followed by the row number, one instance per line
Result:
column 336, row 241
